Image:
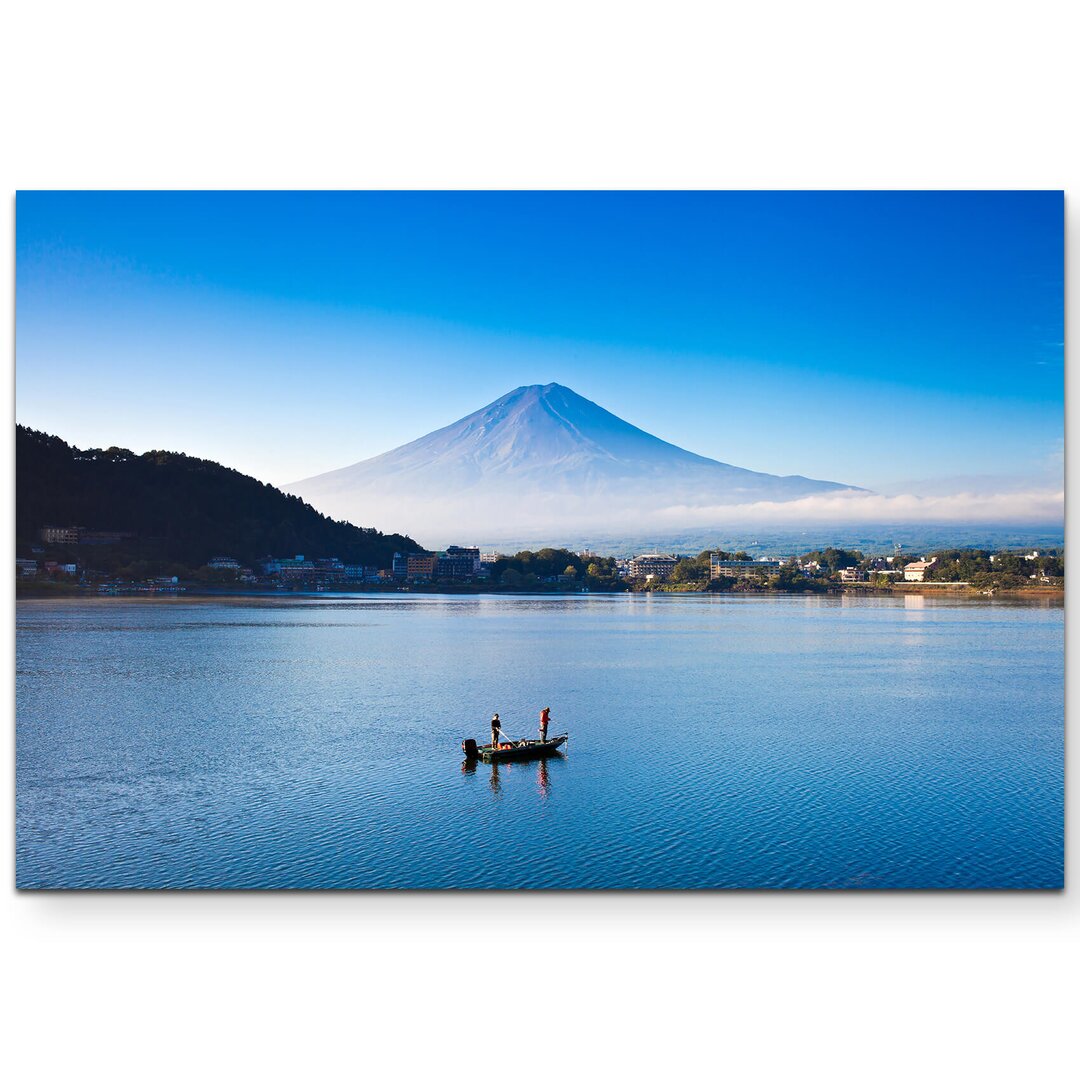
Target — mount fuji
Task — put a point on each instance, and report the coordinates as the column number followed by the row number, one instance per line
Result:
column 538, row 460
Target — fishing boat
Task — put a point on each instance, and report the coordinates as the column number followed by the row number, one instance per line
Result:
column 521, row 750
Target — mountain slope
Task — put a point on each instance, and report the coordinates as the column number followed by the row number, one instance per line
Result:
column 180, row 509
column 540, row 456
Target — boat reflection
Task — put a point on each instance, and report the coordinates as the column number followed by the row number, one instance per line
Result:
column 543, row 780
column 500, row 771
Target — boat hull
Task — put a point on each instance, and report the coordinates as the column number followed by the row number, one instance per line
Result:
column 525, row 750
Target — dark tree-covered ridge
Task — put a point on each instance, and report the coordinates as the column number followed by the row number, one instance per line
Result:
column 180, row 509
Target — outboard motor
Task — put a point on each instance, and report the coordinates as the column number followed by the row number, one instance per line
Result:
column 469, row 748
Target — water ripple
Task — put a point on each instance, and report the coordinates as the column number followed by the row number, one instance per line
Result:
column 716, row 743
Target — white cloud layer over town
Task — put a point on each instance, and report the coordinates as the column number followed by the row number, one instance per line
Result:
column 1015, row 506
column 456, row 519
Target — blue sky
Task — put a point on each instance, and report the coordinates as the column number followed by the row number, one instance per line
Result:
column 897, row 341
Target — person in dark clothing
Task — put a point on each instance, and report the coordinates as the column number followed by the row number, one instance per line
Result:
column 495, row 730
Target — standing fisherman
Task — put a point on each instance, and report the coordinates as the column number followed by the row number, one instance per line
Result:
column 544, row 718
column 495, row 731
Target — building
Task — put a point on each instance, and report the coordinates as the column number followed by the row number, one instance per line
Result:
column 61, row 534
column 916, row 571
column 457, row 567
column 853, row 573
column 26, row 567
column 299, row 570
column 296, row 572
column 492, row 556
column 654, row 567
column 274, row 564
column 422, row 566
column 455, row 551
column 415, row 566
column 459, row 563
column 741, row 568
column 53, row 569
column 223, row 562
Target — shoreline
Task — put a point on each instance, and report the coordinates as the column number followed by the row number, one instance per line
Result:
column 945, row 590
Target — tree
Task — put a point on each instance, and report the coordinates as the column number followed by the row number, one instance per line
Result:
column 174, row 508
column 689, row 570
column 833, row 559
column 789, row 579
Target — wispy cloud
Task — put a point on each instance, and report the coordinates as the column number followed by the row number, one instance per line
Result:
column 843, row 507
column 448, row 520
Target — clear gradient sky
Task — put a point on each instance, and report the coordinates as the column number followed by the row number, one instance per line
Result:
column 896, row 341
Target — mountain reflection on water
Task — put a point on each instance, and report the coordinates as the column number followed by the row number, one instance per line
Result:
column 717, row 742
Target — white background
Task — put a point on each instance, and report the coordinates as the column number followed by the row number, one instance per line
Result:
column 512, row 95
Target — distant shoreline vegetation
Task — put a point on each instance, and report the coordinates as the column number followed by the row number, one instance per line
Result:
column 559, row 570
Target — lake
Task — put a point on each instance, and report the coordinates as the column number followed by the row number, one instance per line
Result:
column 716, row 742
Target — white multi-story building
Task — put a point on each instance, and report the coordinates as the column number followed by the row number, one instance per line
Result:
column 61, row 534
column 916, row 571
column 656, row 566
column 741, row 568
column 852, row 573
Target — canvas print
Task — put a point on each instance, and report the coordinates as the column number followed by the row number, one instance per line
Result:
column 539, row 540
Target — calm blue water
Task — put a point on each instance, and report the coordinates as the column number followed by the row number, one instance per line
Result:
column 715, row 742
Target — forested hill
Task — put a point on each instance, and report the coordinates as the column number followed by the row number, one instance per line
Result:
column 179, row 509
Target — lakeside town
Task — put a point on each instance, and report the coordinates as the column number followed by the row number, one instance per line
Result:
column 114, row 522
column 58, row 563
